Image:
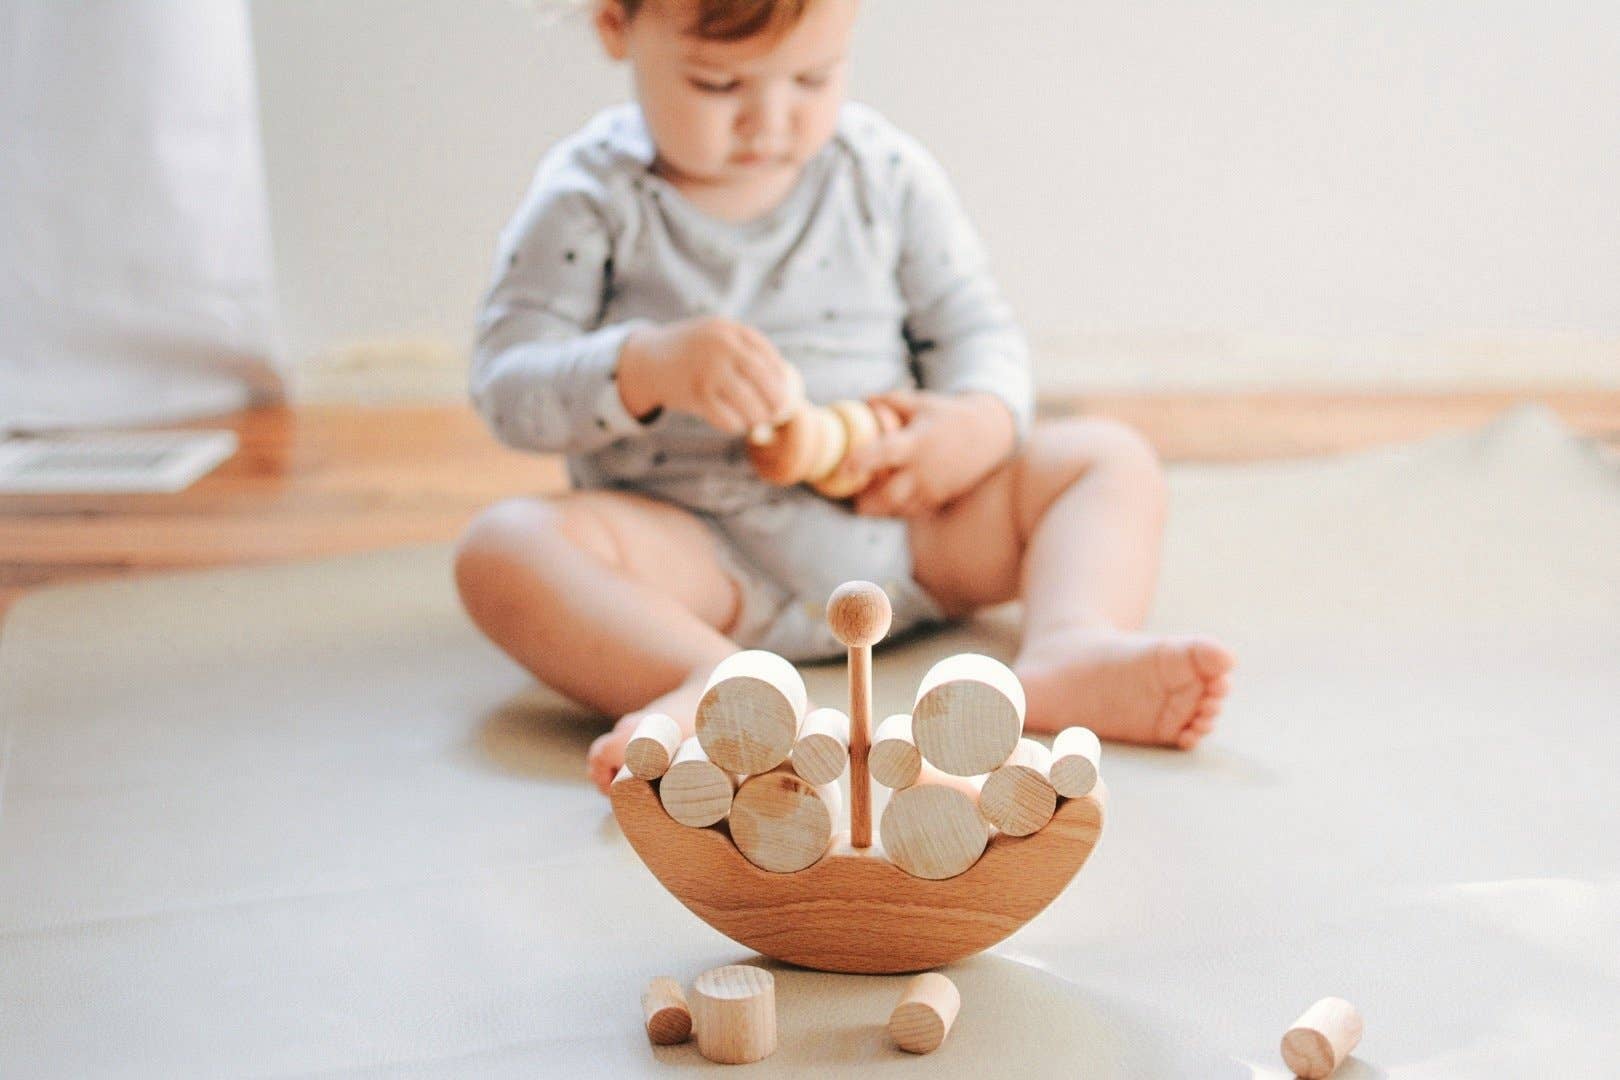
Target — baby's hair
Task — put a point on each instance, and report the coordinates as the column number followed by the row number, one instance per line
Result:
column 733, row 20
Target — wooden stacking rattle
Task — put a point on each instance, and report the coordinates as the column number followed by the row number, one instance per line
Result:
column 814, row 445
column 978, row 837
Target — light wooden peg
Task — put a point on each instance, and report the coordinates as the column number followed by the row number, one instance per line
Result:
column 734, row 1013
column 663, row 1006
column 1320, row 1040
column 859, row 614
column 927, row 1009
column 695, row 791
column 783, row 823
column 894, row 759
column 969, row 714
column 749, row 714
column 822, row 752
column 933, row 829
column 813, row 446
column 1076, row 760
column 651, row 749
column 860, row 427
column 1018, row 798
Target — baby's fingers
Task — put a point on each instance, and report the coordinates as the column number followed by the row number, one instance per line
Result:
column 892, row 451
column 889, row 496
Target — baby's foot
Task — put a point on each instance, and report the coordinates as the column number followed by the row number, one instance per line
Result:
column 606, row 755
column 1132, row 687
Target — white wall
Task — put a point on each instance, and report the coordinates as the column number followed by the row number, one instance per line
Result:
column 1294, row 191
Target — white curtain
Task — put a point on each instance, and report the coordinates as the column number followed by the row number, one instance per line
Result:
column 135, row 267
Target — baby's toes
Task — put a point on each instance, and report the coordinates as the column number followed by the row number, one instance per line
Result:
column 1209, row 658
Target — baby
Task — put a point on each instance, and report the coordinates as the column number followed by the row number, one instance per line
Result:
column 670, row 266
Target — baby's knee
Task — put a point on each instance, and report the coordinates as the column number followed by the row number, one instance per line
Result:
column 1080, row 445
column 506, row 539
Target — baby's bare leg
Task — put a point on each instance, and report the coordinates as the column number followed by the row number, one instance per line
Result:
column 616, row 600
column 1073, row 525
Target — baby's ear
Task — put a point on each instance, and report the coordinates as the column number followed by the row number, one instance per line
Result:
column 613, row 28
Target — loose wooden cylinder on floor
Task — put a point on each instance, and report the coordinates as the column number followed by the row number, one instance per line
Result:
column 1320, row 1040
column 1076, row 762
column 663, row 1006
column 933, row 829
column 695, row 791
column 821, row 753
column 734, row 1014
column 749, row 714
column 927, row 1009
column 969, row 714
column 783, row 823
column 894, row 760
column 1018, row 798
column 652, row 748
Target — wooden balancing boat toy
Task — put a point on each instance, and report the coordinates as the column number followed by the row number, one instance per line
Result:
column 983, row 828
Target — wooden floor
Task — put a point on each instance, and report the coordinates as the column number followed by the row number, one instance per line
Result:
column 330, row 480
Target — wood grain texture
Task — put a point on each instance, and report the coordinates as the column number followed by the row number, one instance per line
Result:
column 925, row 1013
column 821, row 753
column 695, row 791
column 894, row 760
column 734, row 1012
column 1019, row 798
column 1076, row 761
column 934, row 829
column 651, row 750
column 323, row 480
column 968, row 715
column 854, row 911
column 1319, row 1041
column 664, row 1010
column 749, row 714
column 859, row 615
column 782, row 822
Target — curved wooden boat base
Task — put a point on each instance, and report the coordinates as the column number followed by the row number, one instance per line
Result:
column 854, row 911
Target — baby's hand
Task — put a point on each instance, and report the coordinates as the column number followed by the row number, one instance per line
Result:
column 949, row 442
column 718, row 369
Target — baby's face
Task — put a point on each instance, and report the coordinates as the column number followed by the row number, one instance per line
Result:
column 735, row 113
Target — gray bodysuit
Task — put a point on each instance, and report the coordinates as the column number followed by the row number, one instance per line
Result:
column 867, row 278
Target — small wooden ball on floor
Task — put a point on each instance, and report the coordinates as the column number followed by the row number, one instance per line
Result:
column 663, row 1007
column 1320, row 1040
column 926, row 1011
column 734, row 1014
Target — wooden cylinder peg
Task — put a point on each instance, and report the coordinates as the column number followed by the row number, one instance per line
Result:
column 821, row 753
column 1320, row 1040
column 695, row 791
column 1076, row 759
column 894, row 759
column 1018, row 798
column 969, row 714
column 859, row 614
column 651, row 749
column 860, row 428
column 926, row 1011
column 749, row 714
column 782, row 822
column 933, row 829
column 663, row 1007
column 734, row 1014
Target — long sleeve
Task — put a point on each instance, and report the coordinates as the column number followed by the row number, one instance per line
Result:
column 961, row 331
column 543, row 367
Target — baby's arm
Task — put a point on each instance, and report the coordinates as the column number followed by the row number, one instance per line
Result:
column 543, row 370
column 962, row 333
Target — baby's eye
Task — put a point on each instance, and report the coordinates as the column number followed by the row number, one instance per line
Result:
column 815, row 81
column 708, row 86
